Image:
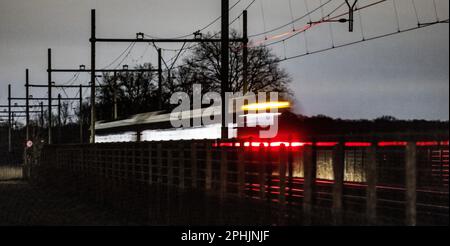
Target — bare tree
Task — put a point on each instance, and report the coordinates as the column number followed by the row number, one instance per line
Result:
column 204, row 67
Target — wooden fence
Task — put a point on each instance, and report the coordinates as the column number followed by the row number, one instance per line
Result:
column 324, row 183
column 8, row 172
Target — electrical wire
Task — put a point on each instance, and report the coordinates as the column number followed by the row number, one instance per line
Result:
column 292, row 14
column 126, row 56
column 397, row 17
column 289, row 23
column 121, row 54
column 367, row 39
column 435, row 10
column 415, row 11
column 309, row 26
column 201, row 29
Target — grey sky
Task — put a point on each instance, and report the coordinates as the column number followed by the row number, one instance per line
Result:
column 404, row 75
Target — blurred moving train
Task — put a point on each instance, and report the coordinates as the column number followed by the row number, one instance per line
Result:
column 157, row 126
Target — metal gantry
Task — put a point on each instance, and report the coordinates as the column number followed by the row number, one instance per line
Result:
column 224, row 41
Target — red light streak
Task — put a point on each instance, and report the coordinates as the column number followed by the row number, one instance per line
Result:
column 358, row 144
column 279, row 144
column 258, row 144
column 299, row 144
column 427, row 143
column 226, row 145
column 392, row 144
column 326, row 144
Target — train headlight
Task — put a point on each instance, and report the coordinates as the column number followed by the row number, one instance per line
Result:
column 266, row 106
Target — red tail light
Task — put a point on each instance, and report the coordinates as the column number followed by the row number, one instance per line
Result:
column 326, row 144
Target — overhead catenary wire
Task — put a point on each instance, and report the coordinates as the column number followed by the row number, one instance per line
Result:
column 366, row 40
column 194, row 45
column 415, row 11
column 289, row 23
column 436, row 10
column 309, row 26
column 121, row 54
column 361, row 26
column 191, row 46
column 397, row 17
column 201, row 29
column 126, row 56
column 292, row 14
column 263, row 16
column 329, row 25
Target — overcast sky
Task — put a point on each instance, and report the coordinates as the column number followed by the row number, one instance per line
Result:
column 405, row 75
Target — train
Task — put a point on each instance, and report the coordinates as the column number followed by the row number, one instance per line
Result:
column 249, row 120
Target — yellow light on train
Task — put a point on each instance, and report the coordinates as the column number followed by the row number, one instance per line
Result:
column 265, row 106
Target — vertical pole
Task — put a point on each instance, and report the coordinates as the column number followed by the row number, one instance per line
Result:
column 371, row 178
column 27, row 120
column 59, row 118
column 160, row 103
column 245, row 54
column 225, row 63
column 93, row 75
column 9, row 120
column 41, row 104
column 49, row 71
column 411, row 184
column 350, row 20
column 351, row 11
column 27, row 104
column 80, row 120
column 115, row 96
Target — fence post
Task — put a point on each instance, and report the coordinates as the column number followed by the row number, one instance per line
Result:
column 283, row 158
column 411, row 179
column 338, row 187
column 241, row 172
column 150, row 183
column 169, row 167
column 262, row 172
column 181, row 167
column 208, row 174
column 159, row 162
column 223, row 173
column 194, row 164
column 309, row 165
column 150, row 164
column 133, row 167
column 223, row 183
column 141, row 163
column 371, row 179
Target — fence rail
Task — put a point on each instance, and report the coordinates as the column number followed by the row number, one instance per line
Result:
column 340, row 183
